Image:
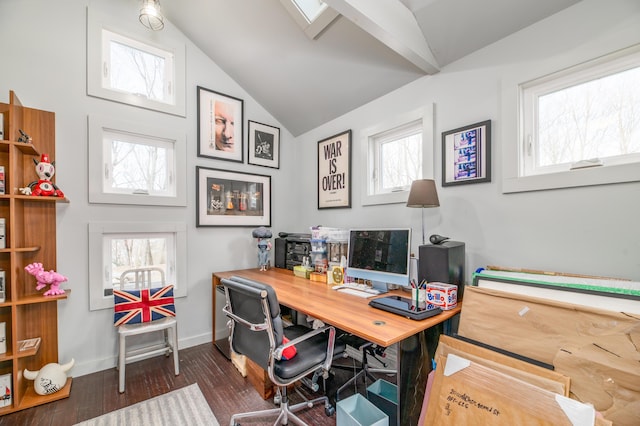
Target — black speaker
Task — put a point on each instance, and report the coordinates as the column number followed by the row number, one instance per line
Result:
column 280, row 260
column 443, row 263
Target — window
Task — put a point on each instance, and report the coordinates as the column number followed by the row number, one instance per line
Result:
column 135, row 164
column 396, row 153
column 579, row 120
column 132, row 67
column 115, row 249
column 313, row 16
column 125, row 66
column 397, row 158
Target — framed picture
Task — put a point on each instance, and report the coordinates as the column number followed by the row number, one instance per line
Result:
column 334, row 171
column 225, row 198
column 264, row 145
column 466, row 154
column 220, row 126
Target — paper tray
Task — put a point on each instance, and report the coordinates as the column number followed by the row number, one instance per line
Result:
column 405, row 307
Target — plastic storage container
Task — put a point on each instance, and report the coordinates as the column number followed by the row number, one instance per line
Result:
column 384, row 395
column 358, row 411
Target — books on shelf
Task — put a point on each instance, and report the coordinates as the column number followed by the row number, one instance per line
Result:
column 2, row 286
column 5, row 390
column 27, row 344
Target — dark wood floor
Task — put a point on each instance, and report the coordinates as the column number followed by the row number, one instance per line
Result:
column 222, row 385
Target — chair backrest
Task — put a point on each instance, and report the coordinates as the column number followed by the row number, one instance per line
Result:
column 256, row 329
column 144, row 305
column 142, row 277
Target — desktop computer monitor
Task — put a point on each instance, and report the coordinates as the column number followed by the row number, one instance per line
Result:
column 379, row 255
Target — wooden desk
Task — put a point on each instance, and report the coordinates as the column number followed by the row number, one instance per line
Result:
column 416, row 340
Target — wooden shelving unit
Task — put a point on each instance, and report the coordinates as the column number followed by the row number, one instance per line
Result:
column 30, row 237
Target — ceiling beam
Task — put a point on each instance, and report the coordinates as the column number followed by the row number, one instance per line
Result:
column 393, row 24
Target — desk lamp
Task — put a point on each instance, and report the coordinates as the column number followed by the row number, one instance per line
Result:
column 423, row 194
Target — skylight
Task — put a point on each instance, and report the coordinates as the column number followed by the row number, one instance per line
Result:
column 311, row 9
column 313, row 16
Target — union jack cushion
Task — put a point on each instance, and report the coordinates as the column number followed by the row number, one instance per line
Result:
column 138, row 306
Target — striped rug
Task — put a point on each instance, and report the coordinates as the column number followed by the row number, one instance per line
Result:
column 184, row 407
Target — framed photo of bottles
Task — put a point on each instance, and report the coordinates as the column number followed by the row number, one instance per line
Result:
column 225, row 198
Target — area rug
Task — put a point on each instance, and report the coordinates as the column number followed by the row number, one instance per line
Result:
column 185, row 406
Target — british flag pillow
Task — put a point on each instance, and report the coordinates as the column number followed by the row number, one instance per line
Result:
column 146, row 305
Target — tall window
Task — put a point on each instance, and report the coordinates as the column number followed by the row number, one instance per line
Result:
column 116, row 249
column 585, row 117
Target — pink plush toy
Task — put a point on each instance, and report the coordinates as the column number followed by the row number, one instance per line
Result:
column 45, row 278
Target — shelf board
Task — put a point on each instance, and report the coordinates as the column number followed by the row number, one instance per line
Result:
column 20, row 249
column 32, row 399
column 6, row 356
column 42, row 199
column 39, row 298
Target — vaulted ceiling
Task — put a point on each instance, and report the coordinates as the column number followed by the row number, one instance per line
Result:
column 371, row 49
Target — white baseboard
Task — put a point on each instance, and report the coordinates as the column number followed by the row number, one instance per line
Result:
column 82, row 368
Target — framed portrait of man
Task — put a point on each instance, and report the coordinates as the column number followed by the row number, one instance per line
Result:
column 220, row 120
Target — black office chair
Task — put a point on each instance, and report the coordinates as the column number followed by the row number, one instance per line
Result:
column 257, row 332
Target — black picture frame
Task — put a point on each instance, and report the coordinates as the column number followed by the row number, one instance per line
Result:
column 466, row 154
column 220, row 131
column 263, row 145
column 226, row 198
column 334, row 171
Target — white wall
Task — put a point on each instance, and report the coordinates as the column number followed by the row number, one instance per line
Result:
column 44, row 62
column 589, row 230
column 582, row 230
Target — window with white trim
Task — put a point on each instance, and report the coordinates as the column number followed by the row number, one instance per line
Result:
column 132, row 67
column 115, row 249
column 398, row 151
column 578, row 122
column 125, row 64
column 397, row 158
column 133, row 163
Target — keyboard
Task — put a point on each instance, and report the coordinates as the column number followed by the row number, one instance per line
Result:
column 359, row 290
column 359, row 293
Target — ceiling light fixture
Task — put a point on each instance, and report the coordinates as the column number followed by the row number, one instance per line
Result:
column 151, row 15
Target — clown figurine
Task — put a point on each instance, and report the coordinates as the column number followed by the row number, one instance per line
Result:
column 43, row 186
column 264, row 245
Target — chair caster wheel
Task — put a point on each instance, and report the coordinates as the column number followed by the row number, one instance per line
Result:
column 330, row 410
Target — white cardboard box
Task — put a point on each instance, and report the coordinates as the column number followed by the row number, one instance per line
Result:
column 3, row 337
column 6, row 392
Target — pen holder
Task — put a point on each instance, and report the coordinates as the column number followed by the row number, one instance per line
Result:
column 419, row 295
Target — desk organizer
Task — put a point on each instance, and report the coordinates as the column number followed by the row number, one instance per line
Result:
column 384, row 395
column 358, row 411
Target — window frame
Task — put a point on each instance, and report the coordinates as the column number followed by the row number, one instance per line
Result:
column 98, row 125
column 98, row 257
column 97, row 21
column 514, row 154
column 369, row 144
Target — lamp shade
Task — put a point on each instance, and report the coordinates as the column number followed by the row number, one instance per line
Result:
column 423, row 194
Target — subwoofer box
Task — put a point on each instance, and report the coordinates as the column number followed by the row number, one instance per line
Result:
column 443, row 263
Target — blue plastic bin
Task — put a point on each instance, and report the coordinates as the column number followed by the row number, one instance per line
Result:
column 384, row 395
column 358, row 411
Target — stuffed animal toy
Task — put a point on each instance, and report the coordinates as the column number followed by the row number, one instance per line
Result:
column 43, row 186
column 45, row 278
